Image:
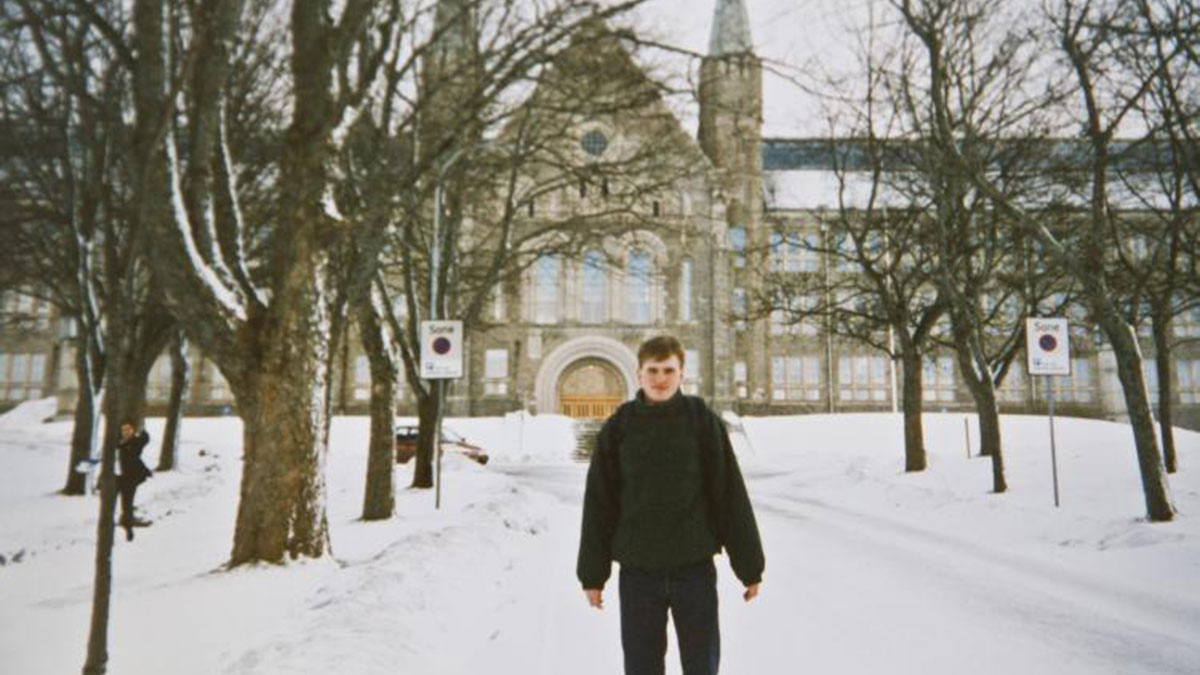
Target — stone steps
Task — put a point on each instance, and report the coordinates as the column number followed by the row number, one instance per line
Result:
column 586, row 432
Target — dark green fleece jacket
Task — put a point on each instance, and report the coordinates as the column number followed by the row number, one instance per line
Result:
column 663, row 490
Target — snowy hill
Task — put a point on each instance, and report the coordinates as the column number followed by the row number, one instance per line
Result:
column 869, row 569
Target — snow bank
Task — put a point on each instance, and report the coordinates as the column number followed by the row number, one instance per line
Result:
column 518, row 437
column 29, row 413
column 856, row 461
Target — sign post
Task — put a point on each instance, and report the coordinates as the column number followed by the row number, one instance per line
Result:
column 1048, row 344
column 441, row 359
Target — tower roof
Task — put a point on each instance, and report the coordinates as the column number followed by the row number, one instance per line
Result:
column 453, row 24
column 730, row 29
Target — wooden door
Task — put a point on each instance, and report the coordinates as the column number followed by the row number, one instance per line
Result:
column 590, row 389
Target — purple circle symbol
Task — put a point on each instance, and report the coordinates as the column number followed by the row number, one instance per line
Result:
column 1048, row 343
column 441, row 346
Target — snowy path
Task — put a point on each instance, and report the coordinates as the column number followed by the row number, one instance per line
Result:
column 874, row 596
column 553, row 630
column 850, row 592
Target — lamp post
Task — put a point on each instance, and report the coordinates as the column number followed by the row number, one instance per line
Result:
column 828, row 317
column 434, row 256
column 438, row 385
column 435, row 252
column 887, row 242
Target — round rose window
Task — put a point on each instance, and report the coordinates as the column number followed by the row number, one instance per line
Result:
column 594, row 143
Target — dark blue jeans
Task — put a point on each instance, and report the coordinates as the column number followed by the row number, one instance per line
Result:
column 690, row 593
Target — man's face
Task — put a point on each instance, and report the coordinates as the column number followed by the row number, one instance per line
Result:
column 660, row 379
column 126, row 430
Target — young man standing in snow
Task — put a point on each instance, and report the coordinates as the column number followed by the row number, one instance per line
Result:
column 664, row 494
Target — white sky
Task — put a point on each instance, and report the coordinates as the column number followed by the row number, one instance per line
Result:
column 803, row 44
column 795, row 38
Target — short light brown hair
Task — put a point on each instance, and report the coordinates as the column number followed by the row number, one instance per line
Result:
column 660, row 348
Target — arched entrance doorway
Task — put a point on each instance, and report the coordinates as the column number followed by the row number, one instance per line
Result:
column 551, row 373
column 590, row 388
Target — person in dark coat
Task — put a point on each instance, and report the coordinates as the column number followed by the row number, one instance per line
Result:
column 664, row 495
column 134, row 472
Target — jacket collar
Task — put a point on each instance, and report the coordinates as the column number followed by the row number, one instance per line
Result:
column 664, row 409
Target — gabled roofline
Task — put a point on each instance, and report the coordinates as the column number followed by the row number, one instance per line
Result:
column 853, row 153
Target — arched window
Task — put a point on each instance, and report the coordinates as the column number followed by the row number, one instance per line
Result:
column 638, row 287
column 545, row 287
column 685, row 290
column 595, row 288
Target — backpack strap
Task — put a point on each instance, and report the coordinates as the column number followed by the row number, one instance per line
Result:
column 620, row 424
column 699, row 412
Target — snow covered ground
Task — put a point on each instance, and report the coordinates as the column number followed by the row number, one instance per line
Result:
column 869, row 569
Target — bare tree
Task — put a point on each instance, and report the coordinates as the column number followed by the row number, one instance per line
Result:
column 273, row 341
column 73, row 190
column 1156, row 42
column 273, row 328
column 1107, row 97
column 524, row 194
column 877, row 285
column 60, row 120
column 878, row 280
column 998, row 131
column 379, row 346
column 1159, row 43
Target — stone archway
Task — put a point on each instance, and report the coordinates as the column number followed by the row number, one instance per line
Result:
column 590, row 388
column 620, row 361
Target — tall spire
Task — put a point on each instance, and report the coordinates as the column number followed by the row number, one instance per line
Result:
column 453, row 21
column 450, row 77
column 730, row 29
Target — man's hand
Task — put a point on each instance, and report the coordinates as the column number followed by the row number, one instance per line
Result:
column 595, row 597
column 751, row 592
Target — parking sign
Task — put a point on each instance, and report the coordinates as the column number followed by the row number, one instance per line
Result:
column 441, row 350
column 1049, row 346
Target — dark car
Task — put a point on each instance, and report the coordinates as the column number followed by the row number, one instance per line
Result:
column 406, row 444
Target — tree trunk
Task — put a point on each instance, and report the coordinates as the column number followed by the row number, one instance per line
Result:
column 282, row 505
column 180, row 375
column 83, row 436
column 914, row 436
column 1129, row 369
column 97, row 649
column 989, row 433
column 427, row 416
column 983, row 391
column 378, row 498
column 284, row 404
column 281, row 510
column 136, row 381
column 984, row 394
column 1162, row 362
column 116, row 409
column 347, row 379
